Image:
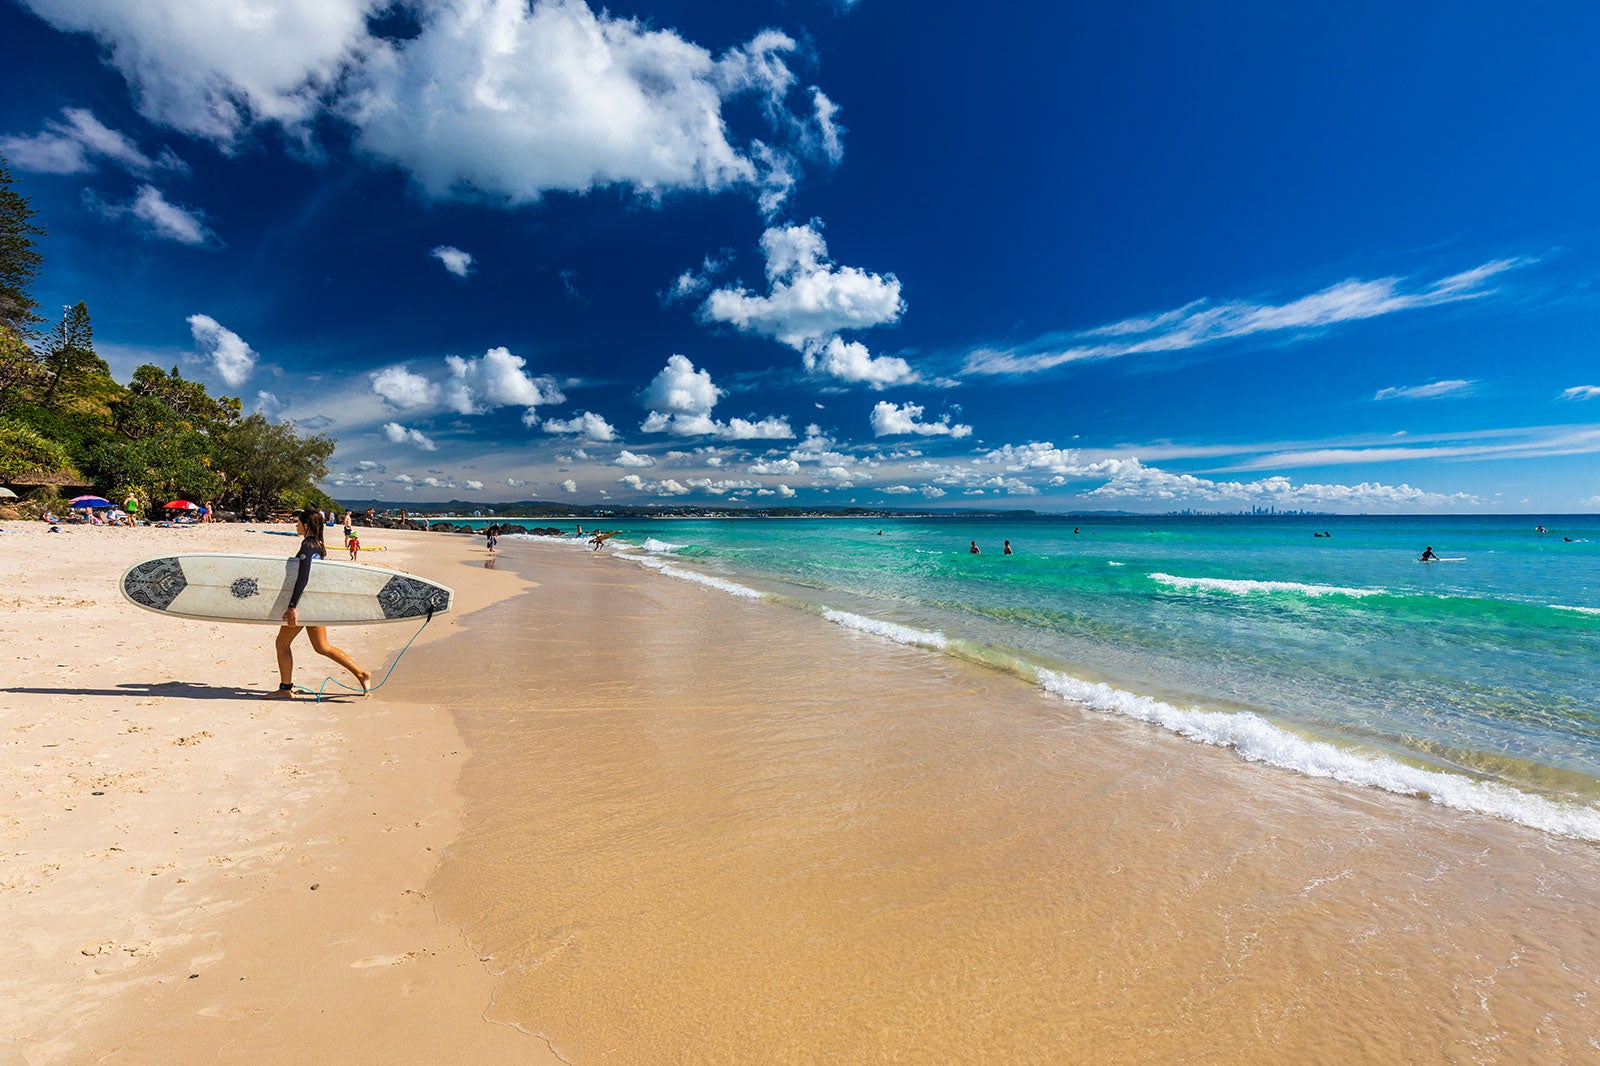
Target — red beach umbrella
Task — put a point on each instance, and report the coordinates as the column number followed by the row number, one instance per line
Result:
column 181, row 504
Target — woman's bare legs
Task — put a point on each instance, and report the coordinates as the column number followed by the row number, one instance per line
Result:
column 320, row 645
column 286, row 635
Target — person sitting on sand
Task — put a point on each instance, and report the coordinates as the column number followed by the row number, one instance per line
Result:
column 1428, row 556
column 308, row 524
column 974, row 550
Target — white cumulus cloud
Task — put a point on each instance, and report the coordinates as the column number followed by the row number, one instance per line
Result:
column 210, row 69
column 587, row 425
column 680, row 399
column 810, row 301
column 498, row 99
column 228, row 354
column 402, row 435
column 398, row 386
column 890, row 419
column 511, row 100
column 496, row 379
column 627, row 458
column 569, row 485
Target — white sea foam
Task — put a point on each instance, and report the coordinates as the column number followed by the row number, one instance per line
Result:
column 900, row 634
column 1257, row 740
column 721, row 584
column 1580, row 610
column 651, row 544
column 1241, row 587
column 1113, row 562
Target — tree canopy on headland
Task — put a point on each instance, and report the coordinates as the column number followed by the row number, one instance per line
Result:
column 64, row 420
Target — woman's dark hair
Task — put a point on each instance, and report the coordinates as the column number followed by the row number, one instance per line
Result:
column 312, row 520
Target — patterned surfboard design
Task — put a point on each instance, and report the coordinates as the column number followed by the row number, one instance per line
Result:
column 256, row 588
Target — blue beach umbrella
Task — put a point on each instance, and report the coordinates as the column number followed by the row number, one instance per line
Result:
column 92, row 502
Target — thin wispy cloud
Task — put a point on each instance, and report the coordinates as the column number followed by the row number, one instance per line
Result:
column 157, row 216
column 1201, row 322
column 77, row 143
column 1431, row 391
column 1535, row 442
column 1581, row 392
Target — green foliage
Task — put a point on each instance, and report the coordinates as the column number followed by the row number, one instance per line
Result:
column 19, row 259
column 25, row 453
column 21, row 373
column 270, row 465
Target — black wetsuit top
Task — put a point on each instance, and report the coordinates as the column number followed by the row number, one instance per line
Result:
column 309, row 550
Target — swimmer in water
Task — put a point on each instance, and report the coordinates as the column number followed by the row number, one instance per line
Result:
column 1008, row 548
column 974, row 549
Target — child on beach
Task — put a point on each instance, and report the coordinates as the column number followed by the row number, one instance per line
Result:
column 309, row 526
column 353, row 542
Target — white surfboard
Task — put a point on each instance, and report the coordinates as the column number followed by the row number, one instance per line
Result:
column 256, row 588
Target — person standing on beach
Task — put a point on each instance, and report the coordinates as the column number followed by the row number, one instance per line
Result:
column 493, row 533
column 349, row 521
column 132, row 507
column 308, row 524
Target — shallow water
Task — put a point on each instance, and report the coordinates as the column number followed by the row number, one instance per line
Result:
column 1478, row 667
column 704, row 828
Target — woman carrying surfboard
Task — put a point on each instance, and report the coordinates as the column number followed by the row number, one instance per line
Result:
column 309, row 526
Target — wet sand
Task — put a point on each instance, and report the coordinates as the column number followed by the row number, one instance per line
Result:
column 705, row 829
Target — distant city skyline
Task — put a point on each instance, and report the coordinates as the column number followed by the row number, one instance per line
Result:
column 832, row 253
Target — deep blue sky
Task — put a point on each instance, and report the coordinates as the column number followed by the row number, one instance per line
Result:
column 1053, row 256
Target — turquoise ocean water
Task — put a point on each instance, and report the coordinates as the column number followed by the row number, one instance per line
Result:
column 1468, row 681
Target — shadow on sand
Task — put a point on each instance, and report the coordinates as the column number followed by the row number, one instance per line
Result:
column 183, row 690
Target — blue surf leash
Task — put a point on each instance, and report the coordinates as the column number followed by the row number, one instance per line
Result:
column 317, row 692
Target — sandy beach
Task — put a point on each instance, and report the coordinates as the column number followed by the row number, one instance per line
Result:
column 188, row 873
column 602, row 815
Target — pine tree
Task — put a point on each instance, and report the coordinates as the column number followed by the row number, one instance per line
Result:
column 19, row 259
column 69, row 349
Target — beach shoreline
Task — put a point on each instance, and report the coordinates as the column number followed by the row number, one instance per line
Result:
column 190, row 872
column 674, row 824
column 703, row 827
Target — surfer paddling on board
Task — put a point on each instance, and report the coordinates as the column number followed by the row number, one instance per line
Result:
column 1428, row 556
column 309, row 526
